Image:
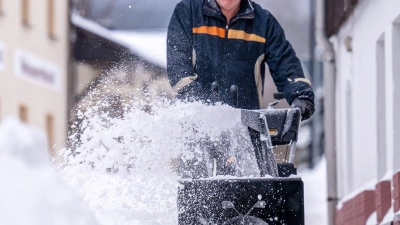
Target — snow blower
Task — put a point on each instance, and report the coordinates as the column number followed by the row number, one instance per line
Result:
column 276, row 197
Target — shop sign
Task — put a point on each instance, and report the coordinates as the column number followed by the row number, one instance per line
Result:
column 37, row 70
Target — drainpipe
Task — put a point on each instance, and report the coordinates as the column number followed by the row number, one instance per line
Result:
column 329, row 84
column 70, row 69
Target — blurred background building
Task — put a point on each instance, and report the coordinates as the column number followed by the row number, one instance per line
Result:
column 121, row 45
column 34, row 63
column 365, row 41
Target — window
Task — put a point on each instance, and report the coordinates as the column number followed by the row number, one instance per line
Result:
column 381, row 106
column 25, row 12
column 50, row 131
column 1, row 7
column 50, row 18
column 396, row 92
column 23, row 113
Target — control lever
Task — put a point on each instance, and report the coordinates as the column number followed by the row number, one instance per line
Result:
column 277, row 96
column 234, row 92
column 215, row 91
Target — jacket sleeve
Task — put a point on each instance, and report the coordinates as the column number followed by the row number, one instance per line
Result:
column 284, row 65
column 179, row 46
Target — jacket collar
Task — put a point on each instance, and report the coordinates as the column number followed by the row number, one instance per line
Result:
column 211, row 8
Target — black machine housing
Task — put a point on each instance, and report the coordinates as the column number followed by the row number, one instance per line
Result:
column 202, row 201
column 256, row 201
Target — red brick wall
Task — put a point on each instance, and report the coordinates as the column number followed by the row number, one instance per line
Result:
column 357, row 210
column 396, row 192
column 383, row 199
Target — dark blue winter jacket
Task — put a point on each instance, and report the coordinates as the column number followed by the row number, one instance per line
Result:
column 202, row 48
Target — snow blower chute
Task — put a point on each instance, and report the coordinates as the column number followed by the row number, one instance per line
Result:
column 273, row 199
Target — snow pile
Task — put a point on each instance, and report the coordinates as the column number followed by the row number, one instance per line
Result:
column 125, row 167
column 25, row 143
column 31, row 192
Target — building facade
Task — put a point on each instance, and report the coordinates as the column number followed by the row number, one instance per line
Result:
column 366, row 39
column 34, row 56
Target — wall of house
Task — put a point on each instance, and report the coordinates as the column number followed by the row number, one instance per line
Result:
column 368, row 81
column 33, row 65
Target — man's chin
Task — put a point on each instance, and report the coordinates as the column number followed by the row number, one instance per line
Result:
column 229, row 5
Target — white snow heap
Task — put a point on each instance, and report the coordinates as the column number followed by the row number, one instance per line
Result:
column 25, row 143
column 31, row 192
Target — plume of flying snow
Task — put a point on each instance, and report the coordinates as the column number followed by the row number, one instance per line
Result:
column 125, row 164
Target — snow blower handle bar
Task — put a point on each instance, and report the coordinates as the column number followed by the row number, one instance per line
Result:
column 283, row 124
column 278, row 97
column 215, row 91
column 277, row 126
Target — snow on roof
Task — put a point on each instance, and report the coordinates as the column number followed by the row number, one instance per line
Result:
column 147, row 44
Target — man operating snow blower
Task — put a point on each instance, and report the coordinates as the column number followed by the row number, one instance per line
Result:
column 216, row 52
column 228, row 42
column 214, row 45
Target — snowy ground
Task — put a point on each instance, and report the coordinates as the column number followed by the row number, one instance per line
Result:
column 315, row 194
column 31, row 191
column 125, row 172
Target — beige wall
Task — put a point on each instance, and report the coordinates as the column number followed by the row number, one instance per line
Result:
column 33, row 39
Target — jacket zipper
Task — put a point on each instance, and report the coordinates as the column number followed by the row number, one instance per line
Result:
column 225, row 54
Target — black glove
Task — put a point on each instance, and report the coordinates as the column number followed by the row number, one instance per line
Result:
column 306, row 107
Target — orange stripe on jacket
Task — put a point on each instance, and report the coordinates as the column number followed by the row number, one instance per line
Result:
column 215, row 31
column 239, row 34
